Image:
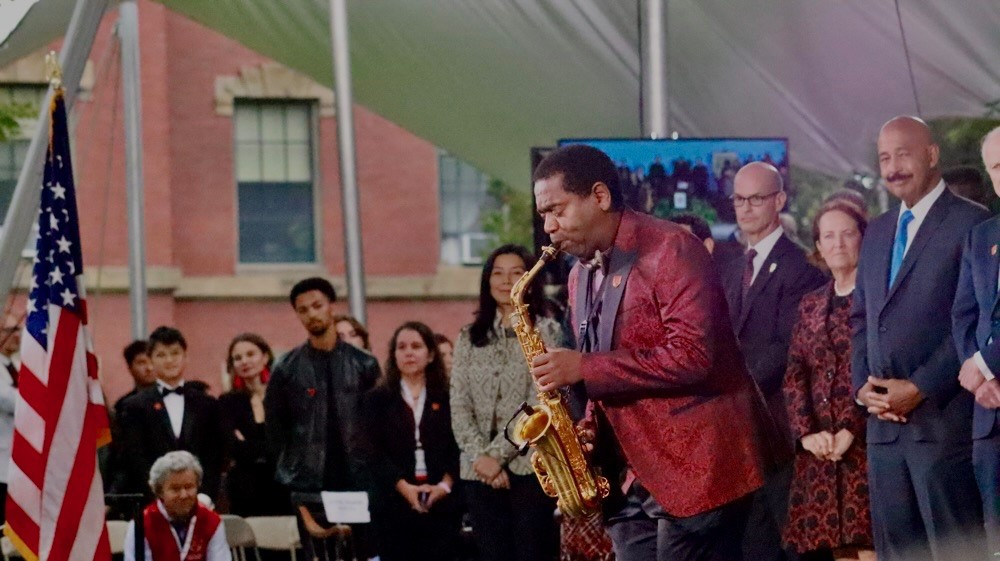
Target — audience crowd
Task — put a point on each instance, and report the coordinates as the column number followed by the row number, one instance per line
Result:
column 875, row 445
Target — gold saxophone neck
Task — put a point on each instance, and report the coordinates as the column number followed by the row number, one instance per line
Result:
column 517, row 291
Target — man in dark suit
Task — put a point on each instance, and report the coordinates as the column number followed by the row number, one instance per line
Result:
column 763, row 290
column 172, row 415
column 925, row 503
column 681, row 427
column 976, row 317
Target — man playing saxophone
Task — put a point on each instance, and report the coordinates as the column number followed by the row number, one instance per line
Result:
column 682, row 431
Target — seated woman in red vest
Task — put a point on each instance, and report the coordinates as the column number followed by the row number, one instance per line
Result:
column 176, row 526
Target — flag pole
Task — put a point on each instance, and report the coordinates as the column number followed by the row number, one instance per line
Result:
column 23, row 210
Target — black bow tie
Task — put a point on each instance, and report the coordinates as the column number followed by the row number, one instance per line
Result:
column 165, row 391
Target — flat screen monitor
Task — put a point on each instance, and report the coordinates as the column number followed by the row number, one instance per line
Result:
column 666, row 177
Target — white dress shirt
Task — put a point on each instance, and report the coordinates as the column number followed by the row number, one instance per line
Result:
column 175, row 407
column 919, row 211
column 763, row 249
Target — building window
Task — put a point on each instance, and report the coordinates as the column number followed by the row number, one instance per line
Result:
column 464, row 200
column 275, row 176
column 15, row 150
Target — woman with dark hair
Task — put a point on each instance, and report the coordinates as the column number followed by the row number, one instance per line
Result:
column 350, row 330
column 250, row 485
column 828, row 514
column 511, row 516
column 414, row 455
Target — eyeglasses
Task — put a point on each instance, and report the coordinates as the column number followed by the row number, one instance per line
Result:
column 754, row 200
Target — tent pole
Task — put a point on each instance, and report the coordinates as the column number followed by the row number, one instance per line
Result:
column 348, row 161
column 655, row 95
column 128, row 34
column 23, row 211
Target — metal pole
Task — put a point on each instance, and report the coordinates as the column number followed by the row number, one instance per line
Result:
column 23, row 210
column 128, row 34
column 655, row 98
column 348, row 162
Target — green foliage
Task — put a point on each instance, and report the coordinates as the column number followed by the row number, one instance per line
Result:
column 511, row 220
column 9, row 114
column 959, row 139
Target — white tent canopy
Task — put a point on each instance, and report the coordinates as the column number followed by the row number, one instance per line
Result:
column 488, row 79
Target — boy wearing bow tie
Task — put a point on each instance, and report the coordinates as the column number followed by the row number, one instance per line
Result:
column 175, row 414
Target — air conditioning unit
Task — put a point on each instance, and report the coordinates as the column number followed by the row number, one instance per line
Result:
column 475, row 247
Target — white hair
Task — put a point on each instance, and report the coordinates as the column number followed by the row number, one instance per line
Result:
column 171, row 463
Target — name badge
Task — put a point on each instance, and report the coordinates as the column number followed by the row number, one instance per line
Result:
column 421, row 464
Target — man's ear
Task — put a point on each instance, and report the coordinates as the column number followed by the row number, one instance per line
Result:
column 709, row 245
column 603, row 195
column 934, row 153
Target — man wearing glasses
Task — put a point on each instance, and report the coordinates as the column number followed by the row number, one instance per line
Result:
column 763, row 289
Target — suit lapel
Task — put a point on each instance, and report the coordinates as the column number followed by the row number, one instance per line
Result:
column 993, row 265
column 767, row 270
column 614, row 288
column 160, row 412
column 935, row 216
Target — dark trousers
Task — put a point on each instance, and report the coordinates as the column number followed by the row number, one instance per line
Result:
column 768, row 515
column 925, row 502
column 643, row 531
column 407, row 535
column 515, row 524
column 3, row 503
column 986, row 461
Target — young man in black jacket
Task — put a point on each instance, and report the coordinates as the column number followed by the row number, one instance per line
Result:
column 313, row 416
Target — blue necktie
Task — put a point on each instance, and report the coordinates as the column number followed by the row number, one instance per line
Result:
column 899, row 247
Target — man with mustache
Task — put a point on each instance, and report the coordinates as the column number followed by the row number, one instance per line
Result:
column 313, row 411
column 904, row 363
column 977, row 335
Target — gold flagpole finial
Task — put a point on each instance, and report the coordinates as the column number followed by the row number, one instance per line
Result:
column 53, row 70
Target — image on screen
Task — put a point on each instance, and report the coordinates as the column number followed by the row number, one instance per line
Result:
column 666, row 177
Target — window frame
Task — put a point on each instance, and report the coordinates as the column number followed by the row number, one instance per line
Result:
column 316, row 265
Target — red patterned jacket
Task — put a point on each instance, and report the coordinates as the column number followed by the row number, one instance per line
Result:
column 668, row 376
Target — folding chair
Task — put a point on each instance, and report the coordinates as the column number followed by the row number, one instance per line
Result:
column 240, row 536
column 276, row 532
column 116, row 535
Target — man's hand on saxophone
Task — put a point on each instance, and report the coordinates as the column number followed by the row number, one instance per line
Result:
column 556, row 368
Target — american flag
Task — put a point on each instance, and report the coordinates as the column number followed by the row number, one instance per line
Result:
column 55, row 501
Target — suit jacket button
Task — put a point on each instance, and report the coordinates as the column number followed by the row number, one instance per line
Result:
column 829, row 374
column 882, row 329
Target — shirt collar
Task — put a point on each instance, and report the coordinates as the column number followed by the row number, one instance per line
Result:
column 924, row 205
column 161, row 385
column 764, row 246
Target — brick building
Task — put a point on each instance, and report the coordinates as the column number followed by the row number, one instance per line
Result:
column 242, row 198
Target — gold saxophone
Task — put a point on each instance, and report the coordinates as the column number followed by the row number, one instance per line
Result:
column 559, row 461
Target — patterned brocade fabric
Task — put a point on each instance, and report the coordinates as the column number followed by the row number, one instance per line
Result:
column 584, row 539
column 488, row 385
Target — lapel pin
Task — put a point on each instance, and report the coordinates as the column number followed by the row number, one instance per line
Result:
column 993, row 250
column 157, row 406
column 435, row 406
column 772, row 267
column 616, row 281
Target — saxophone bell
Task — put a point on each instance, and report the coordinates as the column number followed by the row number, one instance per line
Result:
column 530, row 424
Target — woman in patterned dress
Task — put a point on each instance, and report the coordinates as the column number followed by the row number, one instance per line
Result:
column 512, row 519
column 828, row 516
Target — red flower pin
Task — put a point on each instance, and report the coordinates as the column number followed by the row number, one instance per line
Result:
column 435, row 405
column 311, row 392
column 157, row 406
